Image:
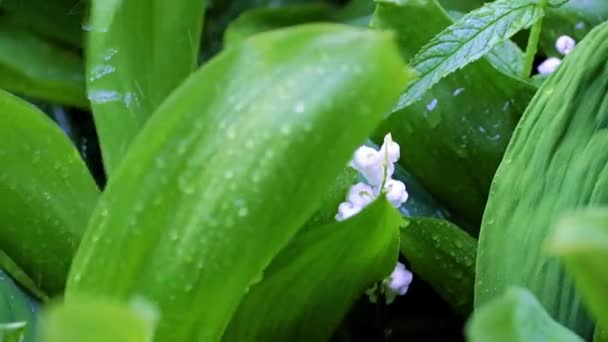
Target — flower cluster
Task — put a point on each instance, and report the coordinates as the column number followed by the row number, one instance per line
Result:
column 564, row 45
column 377, row 168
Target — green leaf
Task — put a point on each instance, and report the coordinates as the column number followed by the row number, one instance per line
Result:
column 46, row 194
column 31, row 66
column 59, row 20
column 555, row 163
column 581, row 241
column 507, row 57
column 18, row 314
column 266, row 19
column 19, row 275
column 244, row 149
column 467, row 40
column 600, row 334
column 138, row 52
column 516, row 316
column 452, row 140
column 317, row 277
column 99, row 320
column 443, row 255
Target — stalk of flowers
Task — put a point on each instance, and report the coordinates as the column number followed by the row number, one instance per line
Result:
column 564, row 45
column 377, row 168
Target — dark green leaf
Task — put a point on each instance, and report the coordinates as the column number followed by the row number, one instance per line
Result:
column 197, row 200
column 317, row 277
column 467, row 40
column 443, row 255
column 31, row 66
column 18, row 314
column 98, row 320
column 581, row 240
column 46, row 194
column 19, row 275
column 452, row 140
column 138, row 52
column 516, row 316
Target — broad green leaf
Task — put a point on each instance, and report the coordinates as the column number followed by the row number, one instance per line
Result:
column 317, row 277
column 46, row 194
column 576, row 18
column 467, row 40
column 443, row 255
column 20, row 277
column 138, row 51
column 555, row 163
column 31, row 66
column 266, row 19
column 581, row 241
column 18, row 313
column 516, row 316
column 507, row 57
column 59, row 20
column 452, row 140
column 98, row 320
column 244, row 149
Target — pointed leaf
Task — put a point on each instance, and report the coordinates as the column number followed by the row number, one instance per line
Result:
column 317, row 277
column 242, row 150
column 516, row 316
column 138, row 52
column 46, row 194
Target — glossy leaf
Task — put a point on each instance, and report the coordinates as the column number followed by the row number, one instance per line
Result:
column 555, row 163
column 467, row 40
column 199, row 187
column 452, row 140
column 31, row 66
column 138, row 52
column 46, row 194
column 317, row 277
column 443, row 255
column 516, row 316
column 581, row 241
column 98, row 320
column 18, row 314
column 20, row 277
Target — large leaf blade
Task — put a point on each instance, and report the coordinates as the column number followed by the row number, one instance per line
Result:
column 46, row 194
column 137, row 53
column 181, row 203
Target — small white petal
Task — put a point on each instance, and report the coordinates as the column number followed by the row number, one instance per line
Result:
column 398, row 282
column 391, row 149
column 549, row 66
column 360, row 195
column 364, row 158
column 396, row 192
column 346, row 210
column 565, row 44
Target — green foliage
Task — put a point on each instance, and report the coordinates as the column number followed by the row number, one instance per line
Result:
column 137, row 53
column 46, row 191
column 317, row 276
column 198, row 187
column 554, row 163
column 18, row 313
column 516, row 316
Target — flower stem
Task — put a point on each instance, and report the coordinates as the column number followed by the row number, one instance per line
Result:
column 532, row 47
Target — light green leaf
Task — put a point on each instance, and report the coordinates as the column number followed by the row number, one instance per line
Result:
column 138, row 52
column 452, row 140
column 516, row 316
column 230, row 167
column 317, row 277
column 99, row 320
column 46, row 194
column 467, row 40
column 581, row 241
column 507, row 57
column 555, row 163
column 18, row 313
column 443, row 255
column 31, row 66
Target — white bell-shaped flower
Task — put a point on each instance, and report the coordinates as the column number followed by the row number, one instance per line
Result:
column 565, row 44
column 360, row 195
column 390, row 149
column 549, row 66
column 347, row 210
column 395, row 192
column 397, row 283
